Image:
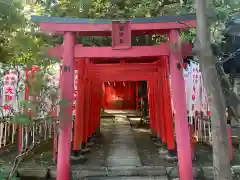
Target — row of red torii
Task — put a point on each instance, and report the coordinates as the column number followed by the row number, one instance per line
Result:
column 150, row 63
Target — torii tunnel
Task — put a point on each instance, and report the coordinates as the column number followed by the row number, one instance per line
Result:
column 123, row 62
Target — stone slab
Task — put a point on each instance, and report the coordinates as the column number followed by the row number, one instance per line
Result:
column 123, row 161
column 155, row 171
column 128, row 178
column 122, row 150
column 160, row 178
column 37, row 172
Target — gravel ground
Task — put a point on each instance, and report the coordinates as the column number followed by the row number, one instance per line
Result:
column 100, row 149
column 147, row 150
column 149, row 155
column 96, row 157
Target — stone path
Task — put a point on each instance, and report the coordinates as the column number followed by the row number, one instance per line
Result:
column 122, row 150
column 129, row 178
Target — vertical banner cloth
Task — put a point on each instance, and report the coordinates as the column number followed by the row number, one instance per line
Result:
column 196, row 97
column 75, row 91
column 9, row 101
column 198, row 101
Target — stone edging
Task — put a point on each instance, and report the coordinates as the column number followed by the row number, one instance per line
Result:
column 199, row 172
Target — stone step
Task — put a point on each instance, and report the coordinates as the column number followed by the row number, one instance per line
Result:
column 124, row 161
column 129, row 178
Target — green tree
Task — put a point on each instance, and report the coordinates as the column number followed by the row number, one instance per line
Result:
column 11, row 21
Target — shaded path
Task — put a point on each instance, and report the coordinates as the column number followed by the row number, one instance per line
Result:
column 100, row 149
column 123, row 150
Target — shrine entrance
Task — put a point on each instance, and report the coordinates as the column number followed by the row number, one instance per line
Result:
column 119, row 95
column 95, row 65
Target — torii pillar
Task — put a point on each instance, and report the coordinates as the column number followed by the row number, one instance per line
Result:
column 67, row 90
column 179, row 101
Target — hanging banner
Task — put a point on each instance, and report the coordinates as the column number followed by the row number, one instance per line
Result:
column 196, row 98
column 75, row 91
column 187, row 74
column 195, row 91
column 9, row 101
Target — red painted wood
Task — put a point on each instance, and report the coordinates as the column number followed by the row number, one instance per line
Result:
column 119, row 96
column 123, row 74
column 154, row 106
column 162, row 106
column 102, row 52
column 121, row 35
column 150, row 113
column 168, row 106
column 100, row 105
column 94, row 120
column 108, row 52
column 94, row 112
column 179, row 101
column 67, row 91
column 86, row 112
column 135, row 73
column 91, row 108
column 126, row 60
column 100, row 29
column 137, row 96
column 118, row 77
column 79, row 117
column 132, row 95
column 156, row 103
column 86, row 103
column 151, row 105
column 158, row 94
column 96, row 104
column 125, row 66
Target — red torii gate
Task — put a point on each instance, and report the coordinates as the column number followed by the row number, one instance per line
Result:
column 91, row 77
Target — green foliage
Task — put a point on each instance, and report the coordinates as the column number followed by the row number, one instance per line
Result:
column 10, row 21
column 189, row 35
column 4, row 173
column 20, row 119
column 36, row 83
column 221, row 12
column 114, row 9
column 18, row 43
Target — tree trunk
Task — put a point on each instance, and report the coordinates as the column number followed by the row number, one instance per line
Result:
column 221, row 159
